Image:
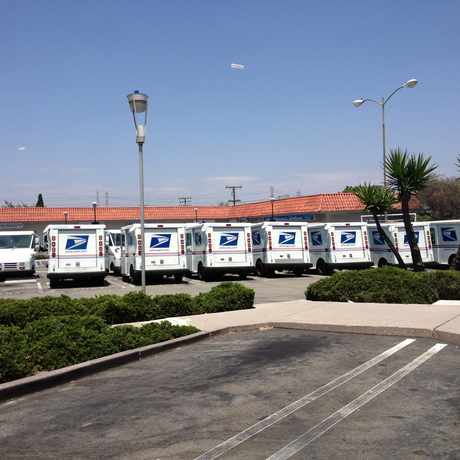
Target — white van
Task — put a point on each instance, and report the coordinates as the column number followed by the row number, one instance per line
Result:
column 280, row 246
column 75, row 252
column 113, row 243
column 164, row 251
column 17, row 252
column 445, row 238
column 218, row 248
column 382, row 255
column 339, row 245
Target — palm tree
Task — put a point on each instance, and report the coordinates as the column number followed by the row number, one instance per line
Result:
column 407, row 174
column 379, row 200
column 458, row 163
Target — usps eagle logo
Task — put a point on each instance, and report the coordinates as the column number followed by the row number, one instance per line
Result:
column 160, row 241
column 449, row 234
column 228, row 239
column 377, row 237
column 348, row 238
column 316, row 238
column 77, row 243
column 286, row 238
column 256, row 239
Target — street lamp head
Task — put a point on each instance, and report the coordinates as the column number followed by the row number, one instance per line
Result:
column 94, row 204
column 411, row 83
column 138, row 104
column 358, row 102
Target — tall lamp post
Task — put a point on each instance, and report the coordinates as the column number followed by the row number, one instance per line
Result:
column 66, row 217
column 196, row 214
column 94, row 212
column 272, row 200
column 138, row 103
column 359, row 102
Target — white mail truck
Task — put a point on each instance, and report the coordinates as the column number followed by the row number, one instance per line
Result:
column 280, row 246
column 381, row 253
column 75, row 252
column 164, row 251
column 339, row 246
column 215, row 249
column 113, row 243
column 445, row 238
column 17, row 252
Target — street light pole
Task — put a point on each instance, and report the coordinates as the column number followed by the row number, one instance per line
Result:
column 138, row 104
column 66, row 215
column 196, row 214
column 272, row 200
column 383, row 101
column 94, row 212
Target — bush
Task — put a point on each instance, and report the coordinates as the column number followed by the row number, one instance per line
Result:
column 225, row 297
column 446, row 283
column 58, row 341
column 385, row 285
column 131, row 307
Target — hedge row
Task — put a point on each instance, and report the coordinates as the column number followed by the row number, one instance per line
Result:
column 57, row 341
column 387, row 285
column 131, row 307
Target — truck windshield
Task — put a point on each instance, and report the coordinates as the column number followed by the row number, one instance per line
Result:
column 116, row 238
column 15, row 241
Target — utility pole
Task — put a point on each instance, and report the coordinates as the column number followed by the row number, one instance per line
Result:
column 272, row 191
column 106, row 199
column 184, row 200
column 97, row 197
column 234, row 188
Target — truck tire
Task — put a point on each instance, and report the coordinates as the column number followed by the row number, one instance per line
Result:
column 178, row 277
column 259, row 268
column 298, row 271
column 382, row 263
column 134, row 276
column 453, row 262
column 203, row 275
column 54, row 283
column 243, row 276
column 322, row 267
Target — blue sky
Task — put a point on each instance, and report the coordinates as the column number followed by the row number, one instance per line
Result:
column 286, row 120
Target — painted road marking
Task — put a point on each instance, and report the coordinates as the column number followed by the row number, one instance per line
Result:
column 116, row 283
column 267, row 422
column 328, row 423
column 20, row 281
column 39, row 286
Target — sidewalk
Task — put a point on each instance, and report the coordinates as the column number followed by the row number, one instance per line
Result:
column 440, row 321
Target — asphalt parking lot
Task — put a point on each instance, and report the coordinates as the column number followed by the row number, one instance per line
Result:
column 282, row 287
column 270, row 393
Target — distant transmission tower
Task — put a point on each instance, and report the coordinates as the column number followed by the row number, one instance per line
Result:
column 234, row 188
column 184, row 200
column 272, row 191
column 106, row 199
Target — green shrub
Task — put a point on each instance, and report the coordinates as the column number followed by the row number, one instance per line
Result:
column 14, row 356
column 385, row 285
column 446, row 283
column 59, row 341
column 224, row 297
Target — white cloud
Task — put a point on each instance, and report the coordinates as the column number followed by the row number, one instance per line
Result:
column 237, row 66
column 22, row 148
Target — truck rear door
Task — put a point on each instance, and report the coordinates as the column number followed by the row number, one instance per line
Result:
column 349, row 243
column 161, row 247
column 229, row 246
column 287, row 244
column 76, row 249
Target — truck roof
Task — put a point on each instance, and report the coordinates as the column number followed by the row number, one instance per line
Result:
column 226, row 224
column 153, row 225
column 74, row 227
column 337, row 224
column 21, row 232
column 280, row 223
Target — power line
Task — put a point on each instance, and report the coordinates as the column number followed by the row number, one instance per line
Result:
column 184, row 200
column 234, row 188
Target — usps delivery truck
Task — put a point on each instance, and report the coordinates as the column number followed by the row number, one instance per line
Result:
column 381, row 253
column 339, row 246
column 445, row 238
column 113, row 243
column 75, row 252
column 215, row 249
column 17, row 253
column 164, row 251
column 280, row 246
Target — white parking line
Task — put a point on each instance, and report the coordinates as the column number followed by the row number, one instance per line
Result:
column 39, row 286
column 314, row 433
column 267, row 422
column 116, row 283
column 20, row 281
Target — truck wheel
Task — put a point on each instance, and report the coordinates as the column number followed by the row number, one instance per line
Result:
column 259, row 268
column 243, row 276
column 134, row 277
column 453, row 262
column 178, row 278
column 382, row 263
column 203, row 275
column 298, row 271
column 322, row 267
column 112, row 268
column 54, row 283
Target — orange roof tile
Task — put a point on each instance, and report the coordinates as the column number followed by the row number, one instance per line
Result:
column 310, row 204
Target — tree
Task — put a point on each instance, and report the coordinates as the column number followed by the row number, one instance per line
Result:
column 351, row 188
column 40, row 203
column 441, row 198
column 458, row 163
column 407, row 175
column 379, row 200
